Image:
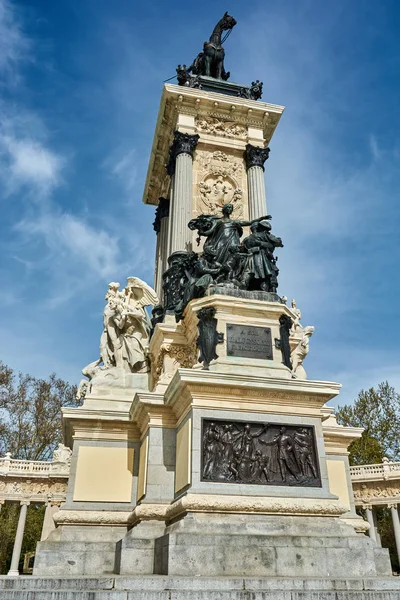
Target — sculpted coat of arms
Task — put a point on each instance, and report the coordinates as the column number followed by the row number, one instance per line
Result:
column 220, row 182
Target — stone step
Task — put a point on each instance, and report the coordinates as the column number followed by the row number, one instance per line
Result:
column 160, row 584
column 199, row 595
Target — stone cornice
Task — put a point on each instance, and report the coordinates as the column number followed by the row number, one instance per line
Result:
column 211, row 503
column 149, row 410
column 84, row 424
column 91, row 517
column 179, row 100
column 247, row 393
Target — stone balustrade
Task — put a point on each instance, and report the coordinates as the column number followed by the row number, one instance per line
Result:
column 37, row 482
column 385, row 470
column 374, row 486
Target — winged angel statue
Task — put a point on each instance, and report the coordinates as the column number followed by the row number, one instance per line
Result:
column 126, row 333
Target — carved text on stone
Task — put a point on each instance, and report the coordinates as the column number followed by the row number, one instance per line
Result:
column 249, row 342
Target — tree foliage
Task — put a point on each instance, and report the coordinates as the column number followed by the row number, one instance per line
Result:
column 8, row 527
column 30, row 428
column 30, row 413
column 378, row 412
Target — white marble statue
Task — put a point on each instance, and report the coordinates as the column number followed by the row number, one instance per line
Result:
column 296, row 312
column 62, row 454
column 300, row 352
column 125, row 337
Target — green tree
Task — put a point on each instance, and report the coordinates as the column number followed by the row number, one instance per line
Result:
column 8, row 527
column 378, row 412
column 30, row 428
column 30, row 413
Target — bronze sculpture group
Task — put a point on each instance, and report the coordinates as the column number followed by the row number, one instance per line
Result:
column 226, row 261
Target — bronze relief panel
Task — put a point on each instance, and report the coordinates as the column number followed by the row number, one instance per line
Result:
column 259, row 453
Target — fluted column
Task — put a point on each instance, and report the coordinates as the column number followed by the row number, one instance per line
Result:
column 370, row 519
column 396, row 526
column 255, row 158
column 19, row 536
column 180, row 167
column 161, row 228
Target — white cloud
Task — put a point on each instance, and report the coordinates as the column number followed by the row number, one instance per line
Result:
column 75, row 242
column 123, row 166
column 29, row 162
column 374, row 147
column 25, row 156
column 14, row 45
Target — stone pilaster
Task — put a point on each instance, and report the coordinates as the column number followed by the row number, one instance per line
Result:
column 255, row 158
column 370, row 519
column 161, row 228
column 180, row 168
column 48, row 521
column 19, row 536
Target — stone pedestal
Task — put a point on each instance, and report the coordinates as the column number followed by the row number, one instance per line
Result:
column 223, row 460
column 255, row 546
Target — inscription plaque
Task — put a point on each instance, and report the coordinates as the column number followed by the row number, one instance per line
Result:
column 259, row 453
column 249, row 342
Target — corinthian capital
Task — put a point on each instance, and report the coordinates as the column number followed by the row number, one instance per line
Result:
column 256, row 156
column 184, row 143
column 162, row 211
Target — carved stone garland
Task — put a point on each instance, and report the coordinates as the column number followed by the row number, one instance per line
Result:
column 184, row 356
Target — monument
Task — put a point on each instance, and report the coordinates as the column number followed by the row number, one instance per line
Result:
column 201, row 448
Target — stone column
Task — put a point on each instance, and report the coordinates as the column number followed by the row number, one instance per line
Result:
column 396, row 527
column 161, row 228
column 180, row 168
column 255, row 158
column 48, row 521
column 19, row 536
column 370, row 519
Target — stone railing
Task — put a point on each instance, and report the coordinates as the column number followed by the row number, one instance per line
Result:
column 18, row 467
column 59, row 465
column 385, row 470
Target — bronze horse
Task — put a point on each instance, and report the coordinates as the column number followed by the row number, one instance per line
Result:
column 210, row 62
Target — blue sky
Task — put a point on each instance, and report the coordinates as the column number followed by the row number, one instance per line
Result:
column 80, row 84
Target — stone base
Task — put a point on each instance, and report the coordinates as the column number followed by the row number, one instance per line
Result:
column 200, row 545
column 77, row 551
column 199, row 588
column 246, row 294
column 262, row 546
column 135, row 552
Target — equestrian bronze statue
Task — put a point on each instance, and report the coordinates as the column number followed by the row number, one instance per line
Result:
column 210, row 62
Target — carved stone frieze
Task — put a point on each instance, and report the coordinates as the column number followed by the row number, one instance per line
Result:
column 87, row 517
column 220, row 181
column 28, row 488
column 370, row 493
column 210, row 503
column 257, row 453
column 222, row 127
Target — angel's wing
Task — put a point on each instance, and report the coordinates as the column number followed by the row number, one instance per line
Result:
column 148, row 295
